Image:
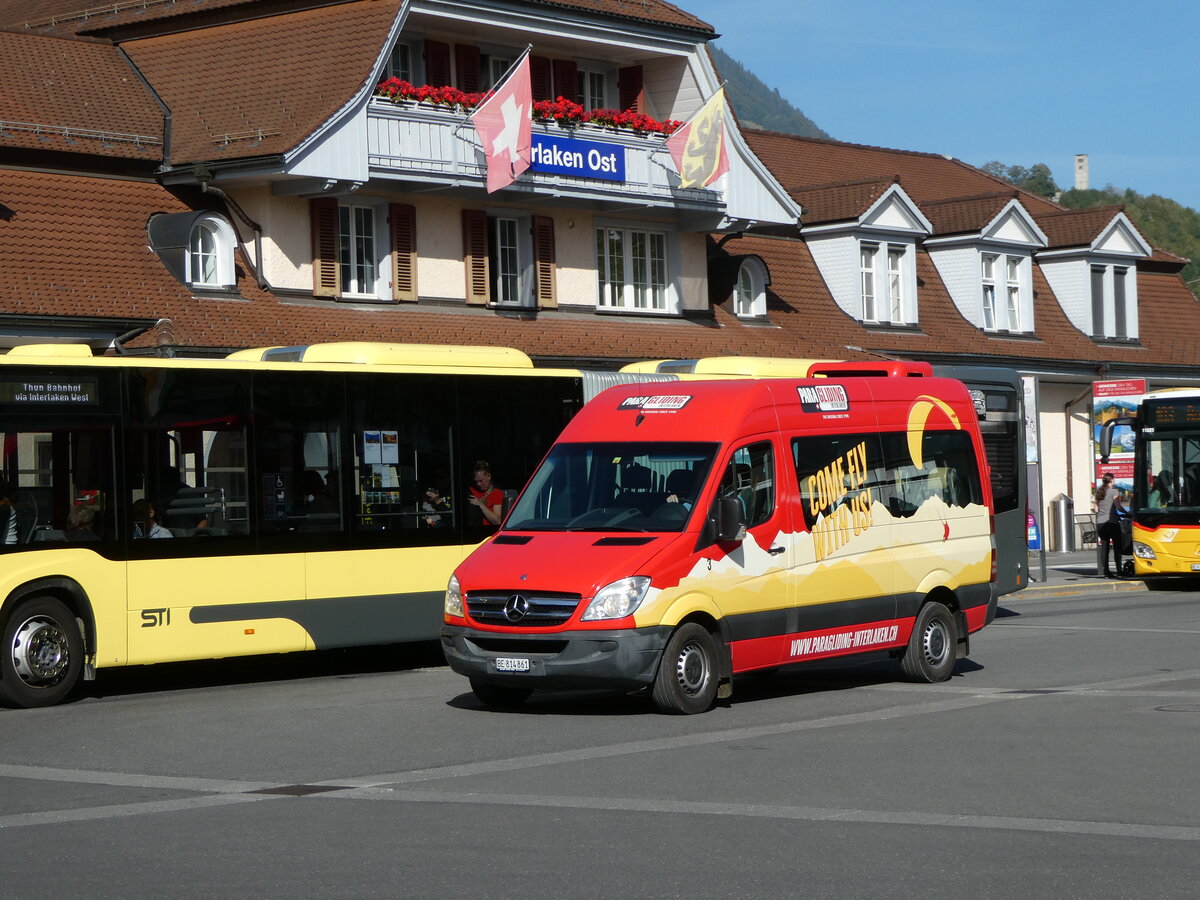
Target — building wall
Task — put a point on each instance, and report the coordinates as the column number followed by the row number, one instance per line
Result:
column 959, row 270
column 1070, row 282
column 1054, row 424
column 837, row 258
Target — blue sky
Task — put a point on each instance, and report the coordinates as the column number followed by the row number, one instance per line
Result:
column 1022, row 82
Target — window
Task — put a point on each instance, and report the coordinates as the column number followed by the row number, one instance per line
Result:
column 867, row 254
column 357, row 251
column 209, row 261
column 989, row 291
column 632, row 269
column 505, row 257
column 593, row 92
column 496, row 67
column 399, row 64
column 750, row 476
column 1112, row 304
column 1007, row 317
column 749, row 291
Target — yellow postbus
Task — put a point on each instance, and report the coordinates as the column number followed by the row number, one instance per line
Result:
column 282, row 499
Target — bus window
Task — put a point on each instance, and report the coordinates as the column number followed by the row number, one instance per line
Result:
column 298, row 453
column 750, row 476
column 405, row 492
column 56, row 485
column 185, row 456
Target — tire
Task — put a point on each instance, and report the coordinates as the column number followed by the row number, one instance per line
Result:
column 41, row 653
column 688, row 675
column 500, row 696
column 930, row 654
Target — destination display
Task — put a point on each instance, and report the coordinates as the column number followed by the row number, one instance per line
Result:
column 1164, row 412
column 573, row 156
column 51, row 392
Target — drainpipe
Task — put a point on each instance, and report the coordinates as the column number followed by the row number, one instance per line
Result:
column 231, row 206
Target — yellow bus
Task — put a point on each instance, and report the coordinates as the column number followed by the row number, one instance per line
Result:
column 282, row 499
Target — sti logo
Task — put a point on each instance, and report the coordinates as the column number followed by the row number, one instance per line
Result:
column 661, row 403
column 823, row 398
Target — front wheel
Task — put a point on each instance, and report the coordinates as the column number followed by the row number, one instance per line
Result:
column 929, row 656
column 687, row 675
column 41, row 653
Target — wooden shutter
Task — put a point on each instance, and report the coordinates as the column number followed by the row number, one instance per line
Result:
column 402, row 222
column 629, row 86
column 540, row 77
column 544, row 267
column 327, row 274
column 566, row 80
column 437, row 63
column 467, row 61
column 475, row 256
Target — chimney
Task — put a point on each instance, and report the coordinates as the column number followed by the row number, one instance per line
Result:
column 1081, row 172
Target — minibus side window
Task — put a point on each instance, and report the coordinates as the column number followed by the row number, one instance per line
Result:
column 750, row 476
column 947, row 471
column 836, row 470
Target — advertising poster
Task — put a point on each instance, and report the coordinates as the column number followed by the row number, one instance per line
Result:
column 1114, row 400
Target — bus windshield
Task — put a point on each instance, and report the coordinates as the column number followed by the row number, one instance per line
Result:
column 626, row 486
column 1172, row 473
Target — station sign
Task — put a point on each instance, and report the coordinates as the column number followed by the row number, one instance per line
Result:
column 574, row 156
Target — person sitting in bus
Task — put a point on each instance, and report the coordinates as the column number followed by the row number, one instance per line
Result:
column 1160, row 490
column 8, row 516
column 434, row 502
column 485, row 496
column 80, row 522
column 316, row 495
column 144, row 523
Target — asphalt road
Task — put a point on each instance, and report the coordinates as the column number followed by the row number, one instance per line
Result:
column 1061, row 760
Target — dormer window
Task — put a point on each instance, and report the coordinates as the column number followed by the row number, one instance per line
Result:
column 884, row 271
column 1004, row 301
column 209, row 260
column 1111, row 308
column 750, row 289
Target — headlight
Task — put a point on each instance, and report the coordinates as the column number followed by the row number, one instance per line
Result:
column 617, row 600
column 1143, row 551
column 454, row 605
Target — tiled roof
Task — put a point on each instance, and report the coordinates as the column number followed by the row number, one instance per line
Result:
column 93, row 16
column 839, row 201
column 1076, row 227
column 74, row 96
column 965, row 215
column 803, row 162
column 95, row 263
column 258, row 88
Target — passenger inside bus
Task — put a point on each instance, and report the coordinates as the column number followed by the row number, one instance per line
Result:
column 81, row 522
column 144, row 522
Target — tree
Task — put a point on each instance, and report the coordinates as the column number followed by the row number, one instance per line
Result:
column 1037, row 179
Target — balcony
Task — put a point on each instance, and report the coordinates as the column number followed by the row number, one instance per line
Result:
column 420, row 143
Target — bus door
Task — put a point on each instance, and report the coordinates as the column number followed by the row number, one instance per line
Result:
column 57, row 493
column 210, row 571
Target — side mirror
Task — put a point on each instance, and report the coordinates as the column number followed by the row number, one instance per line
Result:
column 731, row 520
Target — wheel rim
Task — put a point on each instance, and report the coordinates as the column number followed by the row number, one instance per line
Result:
column 692, row 669
column 935, row 643
column 41, row 654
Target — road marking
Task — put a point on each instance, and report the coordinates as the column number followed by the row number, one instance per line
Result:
column 126, row 779
column 120, row 810
column 796, row 813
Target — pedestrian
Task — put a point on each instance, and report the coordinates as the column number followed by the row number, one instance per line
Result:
column 1108, row 507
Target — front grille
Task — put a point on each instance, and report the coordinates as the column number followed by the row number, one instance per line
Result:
column 544, row 608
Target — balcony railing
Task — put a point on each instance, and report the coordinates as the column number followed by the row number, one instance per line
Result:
column 419, row 142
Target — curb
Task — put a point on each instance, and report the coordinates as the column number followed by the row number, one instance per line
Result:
column 1065, row 590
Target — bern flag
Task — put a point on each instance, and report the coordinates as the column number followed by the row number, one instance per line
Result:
column 503, row 125
column 698, row 147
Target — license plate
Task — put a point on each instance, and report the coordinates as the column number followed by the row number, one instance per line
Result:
column 511, row 664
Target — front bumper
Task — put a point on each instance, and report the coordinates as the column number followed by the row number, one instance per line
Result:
column 622, row 660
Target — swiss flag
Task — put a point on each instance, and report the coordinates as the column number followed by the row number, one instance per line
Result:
column 503, row 125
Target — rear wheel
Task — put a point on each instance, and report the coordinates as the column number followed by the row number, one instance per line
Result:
column 41, row 653
column 930, row 653
column 687, row 675
column 499, row 695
